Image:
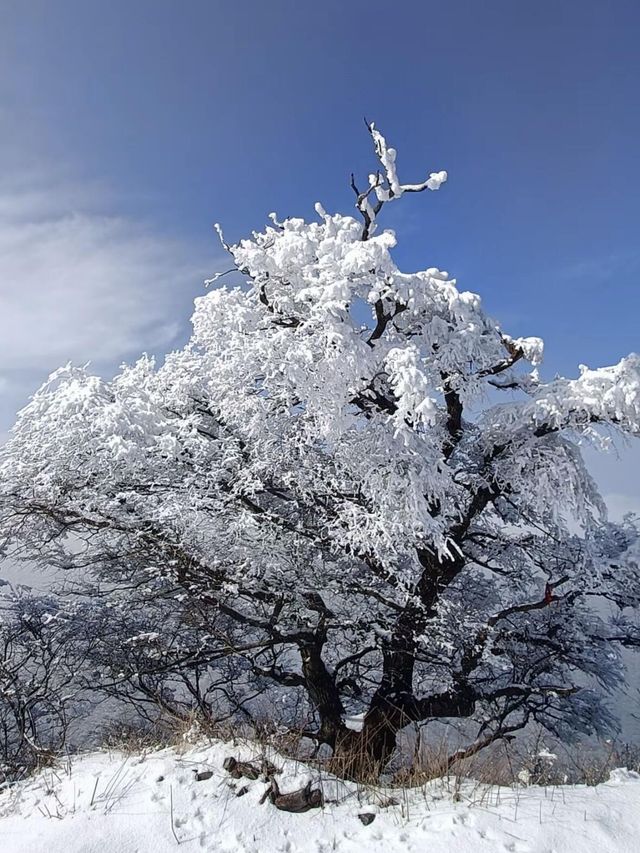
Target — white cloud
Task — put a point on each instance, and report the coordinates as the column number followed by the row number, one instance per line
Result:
column 616, row 473
column 619, row 505
column 78, row 284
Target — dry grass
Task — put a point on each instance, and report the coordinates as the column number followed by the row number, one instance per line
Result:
column 525, row 761
column 517, row 763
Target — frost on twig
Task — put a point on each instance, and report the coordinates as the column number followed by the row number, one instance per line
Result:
column 384, row 185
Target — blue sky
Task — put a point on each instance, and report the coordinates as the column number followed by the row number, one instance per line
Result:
column 128, row 128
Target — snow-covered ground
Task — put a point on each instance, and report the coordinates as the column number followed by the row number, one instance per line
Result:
column 116, row 803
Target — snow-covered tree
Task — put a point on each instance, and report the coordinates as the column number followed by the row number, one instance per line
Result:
column 364, row 475
column 39, row 695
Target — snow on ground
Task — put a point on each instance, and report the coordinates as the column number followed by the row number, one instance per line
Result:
column 116, row 803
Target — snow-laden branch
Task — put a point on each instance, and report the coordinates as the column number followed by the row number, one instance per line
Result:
column 384, row 185
column 608, row 396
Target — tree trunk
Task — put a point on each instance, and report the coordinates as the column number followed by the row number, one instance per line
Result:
column 394, row 704
column 322, row 690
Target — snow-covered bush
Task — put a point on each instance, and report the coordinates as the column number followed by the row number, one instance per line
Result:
column 167, row 660
column 38, row 691
column 328, row 466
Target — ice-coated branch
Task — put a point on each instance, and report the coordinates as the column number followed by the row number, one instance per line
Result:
column 384, row 184
column 606, row 396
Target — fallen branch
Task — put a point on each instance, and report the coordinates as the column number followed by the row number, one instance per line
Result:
column 297, row 801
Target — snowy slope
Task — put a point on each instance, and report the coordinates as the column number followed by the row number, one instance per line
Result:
column 112, row 803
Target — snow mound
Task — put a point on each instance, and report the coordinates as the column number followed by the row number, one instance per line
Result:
column 169, row 800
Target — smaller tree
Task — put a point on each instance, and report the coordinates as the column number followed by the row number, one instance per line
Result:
column 163, row 658
column 39, row 687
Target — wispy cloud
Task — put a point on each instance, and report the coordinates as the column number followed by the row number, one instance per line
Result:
column 79, row 282
column 594, row 271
